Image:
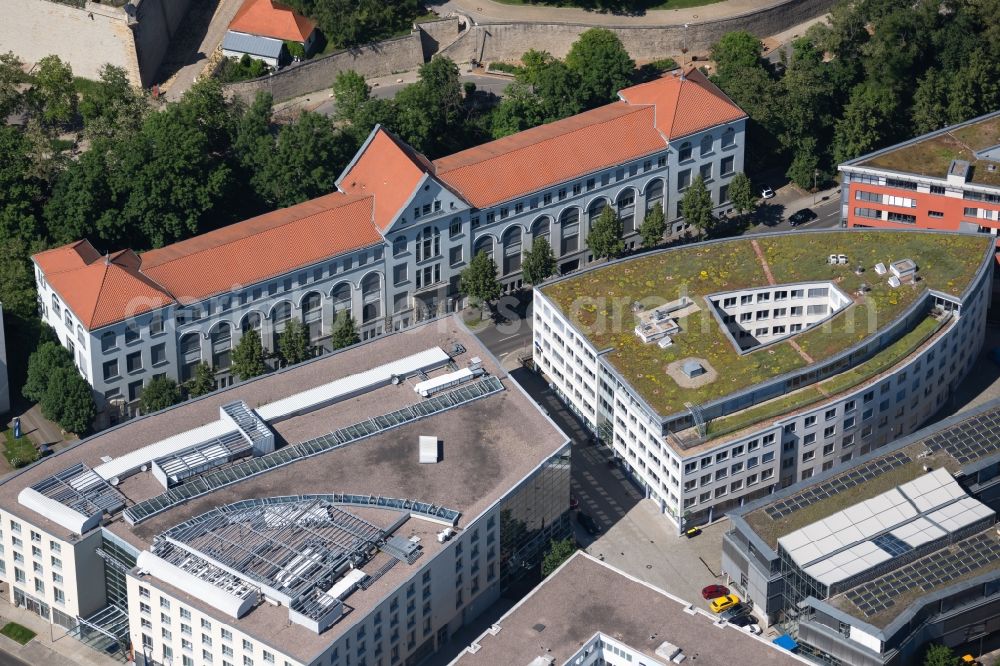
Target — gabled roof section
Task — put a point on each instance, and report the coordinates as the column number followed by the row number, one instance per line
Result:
column 267, row 18
column 684, row 104
column 100, row 290
column 543, row 156
column 263, row 246
column 387, row 169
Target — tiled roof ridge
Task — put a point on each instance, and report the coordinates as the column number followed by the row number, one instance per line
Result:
column 632, row 109
column 351, row 199
column 74, row 246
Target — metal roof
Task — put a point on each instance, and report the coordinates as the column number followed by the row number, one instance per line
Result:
column 263, row 47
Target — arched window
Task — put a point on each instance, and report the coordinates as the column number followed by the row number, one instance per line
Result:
column 428, row 243
column 280, row 315
column 251, row 322
column 341, row 298
column 484, row 244
column 512, row 250
column 597, row 207
column 569, row 220
column 371, row 298
column 728, row 137
column 684, row 152
column 626, row 210
column 540, row 229
column 222, row 337
column 56, row 307
column 109, row 341
column 654, row 194
column 706, row 144
column 312, row 314
column 398, row 245
column 190, row 348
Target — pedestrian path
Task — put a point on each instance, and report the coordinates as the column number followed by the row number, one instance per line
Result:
column 51, row 646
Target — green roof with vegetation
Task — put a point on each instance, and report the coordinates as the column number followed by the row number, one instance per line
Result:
column 598, row 302
column 932, row 156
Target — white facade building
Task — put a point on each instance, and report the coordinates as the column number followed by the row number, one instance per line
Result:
column 389, row 245
column 341, row 546
column 698, row 457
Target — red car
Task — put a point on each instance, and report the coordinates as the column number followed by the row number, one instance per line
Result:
column 714, row 591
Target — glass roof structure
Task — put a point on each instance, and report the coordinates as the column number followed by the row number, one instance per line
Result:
column 81, row 489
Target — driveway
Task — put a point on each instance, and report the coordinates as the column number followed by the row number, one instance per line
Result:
column 195, row 40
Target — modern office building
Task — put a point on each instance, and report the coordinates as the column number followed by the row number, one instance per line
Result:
column 867, row 565
column 388, row 246
column 948, row 179
column 722, row 371
column 588, row 612
column 356, row 509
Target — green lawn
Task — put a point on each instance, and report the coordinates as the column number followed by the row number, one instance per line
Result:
column 15, row 631
column 18, row 452
column 599, row 302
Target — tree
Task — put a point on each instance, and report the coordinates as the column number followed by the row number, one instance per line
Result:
column 539, row 262
column 868, row 122
column 11, row 77
column 203, row 381
column 52, row 97
column 304, row 162
column 479, row 281
column 350, row 93
column 602, row 63
column 930, row 103
column 17, row 281
column 653, row 226
column 735, row 53
column 248, row 356
column 558, row 552
column 559, row 91
column 805, row 163
column 519, row 110
column 42, row 364
column 939, row 655
column 345, row 333
column 605, row 237
column 696, row 205
column 69, row 400
column 741, row 194
column 159, row 393
column 293, row 343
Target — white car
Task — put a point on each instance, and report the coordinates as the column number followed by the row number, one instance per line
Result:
column 767, row 193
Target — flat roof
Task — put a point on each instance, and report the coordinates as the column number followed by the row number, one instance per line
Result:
column 599, row 301
column 489, row 445
column 959, row 441
column 932, row 154
column 586, row 596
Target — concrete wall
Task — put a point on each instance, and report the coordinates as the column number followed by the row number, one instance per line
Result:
column 379, row 59
column 436, row 35
column 507, row 41
column 93, row 35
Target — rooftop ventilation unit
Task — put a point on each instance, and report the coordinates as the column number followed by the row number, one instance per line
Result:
column 670, row 652
column 894, row 282
column 880, row 268
column 429, row 450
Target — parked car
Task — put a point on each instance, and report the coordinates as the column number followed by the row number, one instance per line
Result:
column 588, row 523
column 692, row 532
column 747, row 622
column 574, row 503
column 735, row 611
column 801, row 217
column 724, row 603
column 766, row 193
column 714, row 591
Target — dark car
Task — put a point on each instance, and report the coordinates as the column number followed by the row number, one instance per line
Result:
column 588, row 523
column 748, row 622
column 713, row 591
column 736, row 611
column 801, row 217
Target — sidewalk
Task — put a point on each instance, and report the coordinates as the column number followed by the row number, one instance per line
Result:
column 51, row 646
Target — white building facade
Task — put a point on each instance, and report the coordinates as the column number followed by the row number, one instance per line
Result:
column 697, row 484
column 429, row 220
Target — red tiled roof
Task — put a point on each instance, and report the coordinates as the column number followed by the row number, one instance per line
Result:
column 100, row 290
column 266, row 18
column 536, row 158
column 387, row 169
column 263, row 247
column 684, row 105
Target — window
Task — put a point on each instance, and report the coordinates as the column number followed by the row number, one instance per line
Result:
column 684, row 153
column 111, row 370
column 399, row 274
column 683, row 179
column 455, row 255
column 131, row 333
column 109, row 341
column 455, row 228
column 729, row 138
column 158, row 354
column 706, row 172
column 809, row 438
column 133, row 362
column 727, row 165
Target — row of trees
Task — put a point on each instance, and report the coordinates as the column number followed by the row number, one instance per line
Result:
column 880, row 71
column 605, row 240
column 53, row 382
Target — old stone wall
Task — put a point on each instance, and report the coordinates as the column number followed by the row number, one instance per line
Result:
column 508, row 41
column 157, row 24
column 379, row 59
column 436, row 35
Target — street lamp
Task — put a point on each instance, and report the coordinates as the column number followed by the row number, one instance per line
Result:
column 815, row 176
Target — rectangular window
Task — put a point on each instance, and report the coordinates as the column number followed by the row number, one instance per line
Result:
column 727, row 165
column 683, row 179
column 111, row 370
column 133, row 362
column 706, row 172
column 158, row 354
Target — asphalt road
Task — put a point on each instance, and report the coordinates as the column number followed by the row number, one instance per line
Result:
column 7, row 659
column 774, row 214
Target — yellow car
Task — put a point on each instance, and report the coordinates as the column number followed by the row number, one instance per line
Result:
column 720, row 604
